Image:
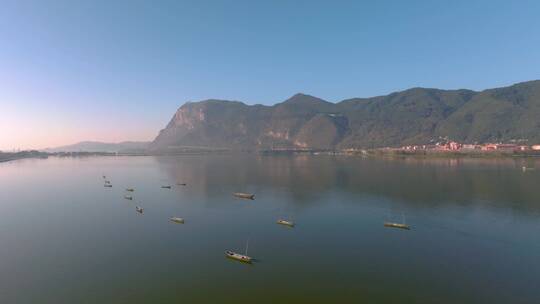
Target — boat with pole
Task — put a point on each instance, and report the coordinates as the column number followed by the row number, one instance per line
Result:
column 238, row 256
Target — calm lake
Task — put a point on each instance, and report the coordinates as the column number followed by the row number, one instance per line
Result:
column 65, row 238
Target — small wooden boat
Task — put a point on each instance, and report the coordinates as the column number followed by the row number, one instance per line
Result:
column 107, row 182
column 181, row 184
column 244, row 195
column 166, row 187
column 107, row 185
column 178, row 220
column 285, row 223
column 397, row 225
column 238, row 256
column 128, row 197
column 130, row 189
column 104, row 177
column 139, row 209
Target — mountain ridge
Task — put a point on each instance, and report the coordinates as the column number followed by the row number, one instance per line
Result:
column 412, row 116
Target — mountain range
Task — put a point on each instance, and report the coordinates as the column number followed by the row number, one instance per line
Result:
column 95, row 146
column 413, row 116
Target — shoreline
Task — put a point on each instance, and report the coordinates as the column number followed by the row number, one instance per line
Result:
column 453, row 154
column 384, row 153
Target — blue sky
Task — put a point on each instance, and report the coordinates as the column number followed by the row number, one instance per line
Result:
column 117, row 70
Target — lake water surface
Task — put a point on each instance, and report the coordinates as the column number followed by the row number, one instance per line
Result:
column 475, row 238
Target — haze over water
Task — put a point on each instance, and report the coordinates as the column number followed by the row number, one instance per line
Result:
column 67, row 239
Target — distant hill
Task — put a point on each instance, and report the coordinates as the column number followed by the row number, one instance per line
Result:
column 94, row 146
column 414, row 116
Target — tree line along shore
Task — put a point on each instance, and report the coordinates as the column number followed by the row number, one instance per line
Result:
column 384, row 152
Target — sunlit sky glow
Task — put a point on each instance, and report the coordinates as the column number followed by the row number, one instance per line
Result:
column 117, row 70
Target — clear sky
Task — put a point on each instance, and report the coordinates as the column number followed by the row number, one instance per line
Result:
column 117, row 70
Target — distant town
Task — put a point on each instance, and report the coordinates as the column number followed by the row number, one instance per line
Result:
column 446, row 146
column 457, row 146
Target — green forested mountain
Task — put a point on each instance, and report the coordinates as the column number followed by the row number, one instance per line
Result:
column 414, row 116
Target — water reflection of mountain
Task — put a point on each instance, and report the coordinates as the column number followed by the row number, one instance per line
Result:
column 417, row 182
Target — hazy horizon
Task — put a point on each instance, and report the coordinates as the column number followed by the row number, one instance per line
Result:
column 113, row 72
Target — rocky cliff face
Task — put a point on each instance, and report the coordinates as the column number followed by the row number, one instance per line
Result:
column 213, row 124
column 414, row 116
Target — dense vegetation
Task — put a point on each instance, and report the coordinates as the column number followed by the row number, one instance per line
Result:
column 414, row 116
column 5, row 156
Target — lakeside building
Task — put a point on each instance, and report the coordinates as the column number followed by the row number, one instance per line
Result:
column 471, row 147
column 457, row 146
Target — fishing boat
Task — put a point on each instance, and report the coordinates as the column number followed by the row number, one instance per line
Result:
column 130, row 189
column 107, row 185
column 181, row 184
column 139, row 209
column 401, row 225
column 128, row 197
column 178, row 220
column 166, row 187
column 104, row 177
column 285, row 223
column 107, row 182
column 397, row 225
column 244, row 195
column 238, row 256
